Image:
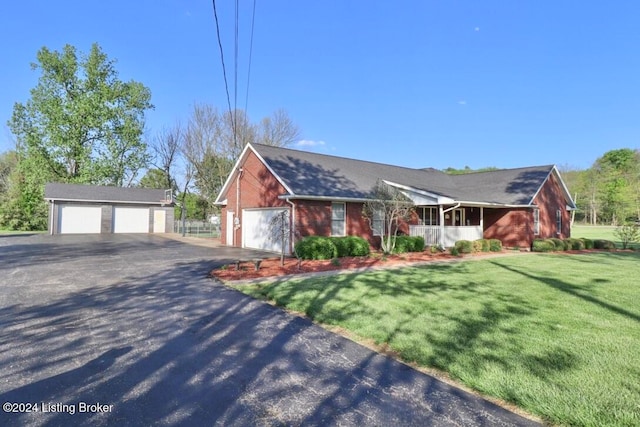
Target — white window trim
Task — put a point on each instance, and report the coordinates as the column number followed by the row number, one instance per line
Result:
column 536, row 222
column 344, row 218
column 378, row 217
column 558, row 222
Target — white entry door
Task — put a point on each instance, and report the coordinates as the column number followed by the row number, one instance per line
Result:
column 159, row 221
column 229, row 229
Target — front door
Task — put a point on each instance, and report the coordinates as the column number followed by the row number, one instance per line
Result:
column 230, row 229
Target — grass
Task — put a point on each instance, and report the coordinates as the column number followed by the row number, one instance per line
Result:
column 599, row 232
column 557, row 335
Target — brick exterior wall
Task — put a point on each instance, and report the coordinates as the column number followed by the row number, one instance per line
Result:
column 549, row 200
column 514, row 227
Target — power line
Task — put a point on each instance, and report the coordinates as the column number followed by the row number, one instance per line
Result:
column 253, row 19
column 235, row 77
column 224, row 69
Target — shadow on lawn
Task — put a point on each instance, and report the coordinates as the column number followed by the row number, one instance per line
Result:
column 393, row 300
column 575, row 290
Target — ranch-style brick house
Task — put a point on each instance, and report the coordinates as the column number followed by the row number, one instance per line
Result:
column 324, row 195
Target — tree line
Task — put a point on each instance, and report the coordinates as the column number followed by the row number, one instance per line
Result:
column 82, row 124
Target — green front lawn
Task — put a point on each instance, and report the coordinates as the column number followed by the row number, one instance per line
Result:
column 558, row 334
column 605, row 232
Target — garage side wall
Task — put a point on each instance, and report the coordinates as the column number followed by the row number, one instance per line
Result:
column 257, row 188
column 549, row 200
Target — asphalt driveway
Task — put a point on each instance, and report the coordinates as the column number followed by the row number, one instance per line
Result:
column 127, row 330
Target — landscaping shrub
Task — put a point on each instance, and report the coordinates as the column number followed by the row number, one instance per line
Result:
column 418, row 243
column 316, row 247
column 358, row 246
column 588, row 243
column 543, row 245
column 603, row 244
column 342, row 246
column 574, row 244
column 482, row 245
column 435, row 249
column 559, row 244
column 464, row 246
column 495, row 245
column 454, row 251
column 408, row 244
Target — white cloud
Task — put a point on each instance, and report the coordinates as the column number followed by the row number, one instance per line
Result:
column 476, row 29
column 462, row 102
column 309, row 143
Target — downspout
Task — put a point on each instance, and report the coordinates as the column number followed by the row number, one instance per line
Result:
column 236, row 221
column 442, row 212
column 293, row 224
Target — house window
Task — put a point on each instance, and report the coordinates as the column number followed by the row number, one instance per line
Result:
column 558, row 221
column 337, row 219
column 377, row 223
column 536, row 222
column 429, row 216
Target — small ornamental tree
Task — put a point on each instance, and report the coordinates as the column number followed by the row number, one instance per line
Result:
column 627, row 233
column 279, row 231
column 384, row 211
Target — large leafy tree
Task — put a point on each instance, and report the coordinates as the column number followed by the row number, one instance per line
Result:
column 82, row 124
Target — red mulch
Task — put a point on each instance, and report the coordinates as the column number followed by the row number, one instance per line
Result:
column 271, row 267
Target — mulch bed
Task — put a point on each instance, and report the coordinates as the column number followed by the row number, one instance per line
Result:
column 271, row 267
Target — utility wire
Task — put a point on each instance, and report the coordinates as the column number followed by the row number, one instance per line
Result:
column 253, row 20
column 235, row 77
column 224, row 69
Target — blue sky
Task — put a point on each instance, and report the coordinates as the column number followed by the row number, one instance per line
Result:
column 413, row 83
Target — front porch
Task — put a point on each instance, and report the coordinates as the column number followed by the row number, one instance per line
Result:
column 445, row 225
column 447, row 235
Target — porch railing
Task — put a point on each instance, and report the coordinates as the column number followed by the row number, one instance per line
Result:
column 431, row 233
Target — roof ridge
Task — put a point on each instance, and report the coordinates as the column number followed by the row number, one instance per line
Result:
column 347, row 158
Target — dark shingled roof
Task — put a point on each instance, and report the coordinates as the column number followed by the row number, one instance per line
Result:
column 320, row 175
column 95, row 193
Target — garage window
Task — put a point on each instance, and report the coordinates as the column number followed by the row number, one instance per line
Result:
column 337, row 219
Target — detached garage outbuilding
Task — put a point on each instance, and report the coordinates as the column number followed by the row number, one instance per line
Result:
column 86, row 209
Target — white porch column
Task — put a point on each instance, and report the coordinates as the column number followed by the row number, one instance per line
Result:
column 441, row 213
column 482, row 220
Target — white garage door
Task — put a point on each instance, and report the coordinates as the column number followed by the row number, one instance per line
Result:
column 76, row 219
column 130, row 220
column 258, row 231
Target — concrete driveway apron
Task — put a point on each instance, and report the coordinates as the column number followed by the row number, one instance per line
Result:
column 128, row 330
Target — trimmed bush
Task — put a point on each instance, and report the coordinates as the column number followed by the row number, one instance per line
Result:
column 316, row 247
column 418, row 243
column 358, row 246
column 543, row 245
column 342, row 246
column 559, row 244
column 454, row 251
column 603, row 244
column 495, row 245
column 482, row 245
column 574, row 244
column 350, row 246
column 464, row 246
column 408, row 244
column 588, row 243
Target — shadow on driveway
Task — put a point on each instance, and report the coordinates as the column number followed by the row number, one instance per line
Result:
column 170, row 347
